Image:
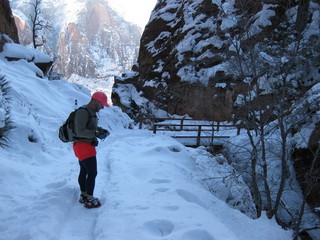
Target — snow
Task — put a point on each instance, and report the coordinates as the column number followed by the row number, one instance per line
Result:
column 314, row 26
column 230, row 20
column 137, row 11
column 2, row 118
column 228, row 23
column 167, row 12
column 214, row 40
column 222, row 85
column 262, row 19
column 14, row 50
column 103, row 84
column 71, row 10
column 150, row 185
column 306, row 130
column 151, row 83
column 129, row 92
column 162, row 35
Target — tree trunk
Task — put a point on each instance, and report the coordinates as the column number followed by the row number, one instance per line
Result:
column 302, row 15
column 265, row 172
column 284, row 170
column 255, row 188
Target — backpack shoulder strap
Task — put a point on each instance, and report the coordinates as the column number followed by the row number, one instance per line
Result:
column 89, row 114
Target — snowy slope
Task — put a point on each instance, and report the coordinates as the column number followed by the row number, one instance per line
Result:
column 148, row 184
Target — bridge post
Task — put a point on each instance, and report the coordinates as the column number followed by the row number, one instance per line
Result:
column 199, row 135
column 181, row 124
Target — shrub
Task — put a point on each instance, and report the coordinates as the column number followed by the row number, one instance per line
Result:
column 5, row 121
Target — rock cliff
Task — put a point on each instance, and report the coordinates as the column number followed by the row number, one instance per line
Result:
column 99, row 44
column 8, row 25
column 198, row 57
column 87, row 38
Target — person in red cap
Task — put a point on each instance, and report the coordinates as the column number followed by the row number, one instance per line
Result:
column 87, row 131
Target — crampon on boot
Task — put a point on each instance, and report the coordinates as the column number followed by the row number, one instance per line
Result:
column 83, row 198
column 92, row 203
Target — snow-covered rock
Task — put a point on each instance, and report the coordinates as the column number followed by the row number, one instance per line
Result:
column 190, row 49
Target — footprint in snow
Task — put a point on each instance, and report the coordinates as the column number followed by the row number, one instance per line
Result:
column 190, row 197
column 159, row 227
column 162, row 189
column 175, row 148
column 138, row 207
column 56, row 185
column 159, row 181
column 197, row 234
column 171, row 208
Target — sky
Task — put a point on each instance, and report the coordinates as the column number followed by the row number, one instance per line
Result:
column 150, row 186
column 137, row 11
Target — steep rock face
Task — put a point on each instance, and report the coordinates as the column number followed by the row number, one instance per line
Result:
column 167, row 49
column 8, row 25
column 86, row 38
column 189, row 58
column 26, row 36
column 99, row 44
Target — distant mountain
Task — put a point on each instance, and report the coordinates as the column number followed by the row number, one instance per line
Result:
column 87, row 38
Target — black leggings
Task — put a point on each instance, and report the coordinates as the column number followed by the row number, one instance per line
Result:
column 87, row 175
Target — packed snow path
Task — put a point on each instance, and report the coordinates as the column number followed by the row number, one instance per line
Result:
column 148, row 189
column 147, row 192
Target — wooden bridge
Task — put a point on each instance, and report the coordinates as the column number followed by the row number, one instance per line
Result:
column 192, row 132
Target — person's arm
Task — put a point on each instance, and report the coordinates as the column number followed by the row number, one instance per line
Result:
column 81, row 119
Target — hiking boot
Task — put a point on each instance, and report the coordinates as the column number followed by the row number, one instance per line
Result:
column 83, row 198
column 92, row 203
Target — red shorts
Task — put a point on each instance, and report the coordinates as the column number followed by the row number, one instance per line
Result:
column 84, row 150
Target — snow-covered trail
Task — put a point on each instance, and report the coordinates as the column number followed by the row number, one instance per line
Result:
column 146, row 194
column 147, row 191
column 144, row 187
column 79, row 223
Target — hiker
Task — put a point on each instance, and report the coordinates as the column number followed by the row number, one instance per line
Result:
column 84, row 146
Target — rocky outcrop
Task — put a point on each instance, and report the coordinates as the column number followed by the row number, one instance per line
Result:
column 8, row 25
column 98, row 44
column 24, row 30
column 194, row 56
column 89, row 39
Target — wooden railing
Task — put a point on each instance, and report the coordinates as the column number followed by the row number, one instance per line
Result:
column 205, row 130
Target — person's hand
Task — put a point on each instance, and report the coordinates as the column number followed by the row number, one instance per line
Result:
column 95, row 142
column 102, row 133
